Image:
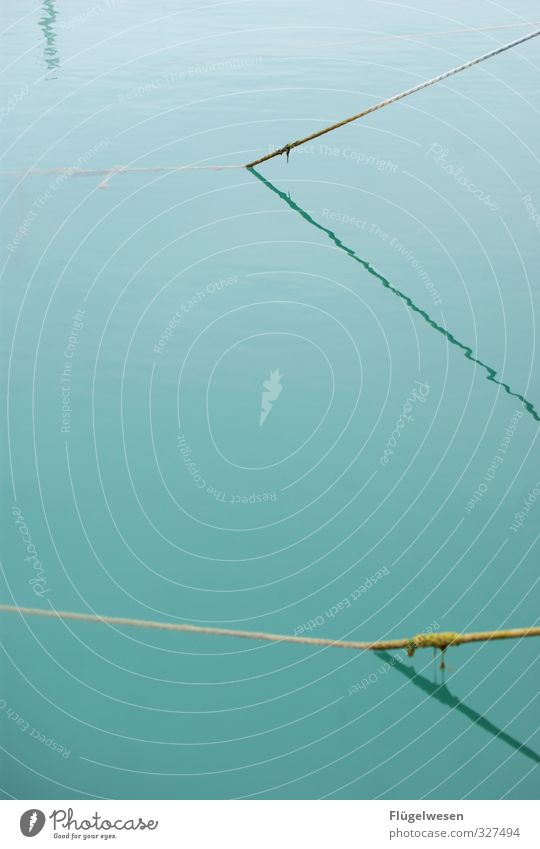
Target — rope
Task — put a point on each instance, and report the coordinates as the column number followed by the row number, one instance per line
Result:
column 426, row 34
column 491, row 373
column 113, row 170
column 288, row 147
column 122, row 169
column 420, row 641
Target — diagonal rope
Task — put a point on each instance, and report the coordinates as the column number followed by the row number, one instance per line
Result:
column 420, row 641
column 288, row 147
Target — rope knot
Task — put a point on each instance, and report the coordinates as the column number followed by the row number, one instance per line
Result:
column 439, row 641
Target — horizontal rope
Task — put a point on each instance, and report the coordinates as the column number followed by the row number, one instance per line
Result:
column 122, row 169
column 288, row 147
column 420, row 641
column 114, row 170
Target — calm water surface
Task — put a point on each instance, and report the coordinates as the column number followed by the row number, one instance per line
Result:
column 303, row 400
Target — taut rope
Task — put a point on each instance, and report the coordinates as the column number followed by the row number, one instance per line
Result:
column 288, row 147
column 420, row 641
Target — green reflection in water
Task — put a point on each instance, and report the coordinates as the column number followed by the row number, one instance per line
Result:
column 491, row 373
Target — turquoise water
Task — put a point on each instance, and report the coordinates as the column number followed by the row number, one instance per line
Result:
column 382, row 285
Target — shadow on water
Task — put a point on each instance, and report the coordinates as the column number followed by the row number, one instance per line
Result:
column 46, row 22
column 445, row 697
column 491, row 373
